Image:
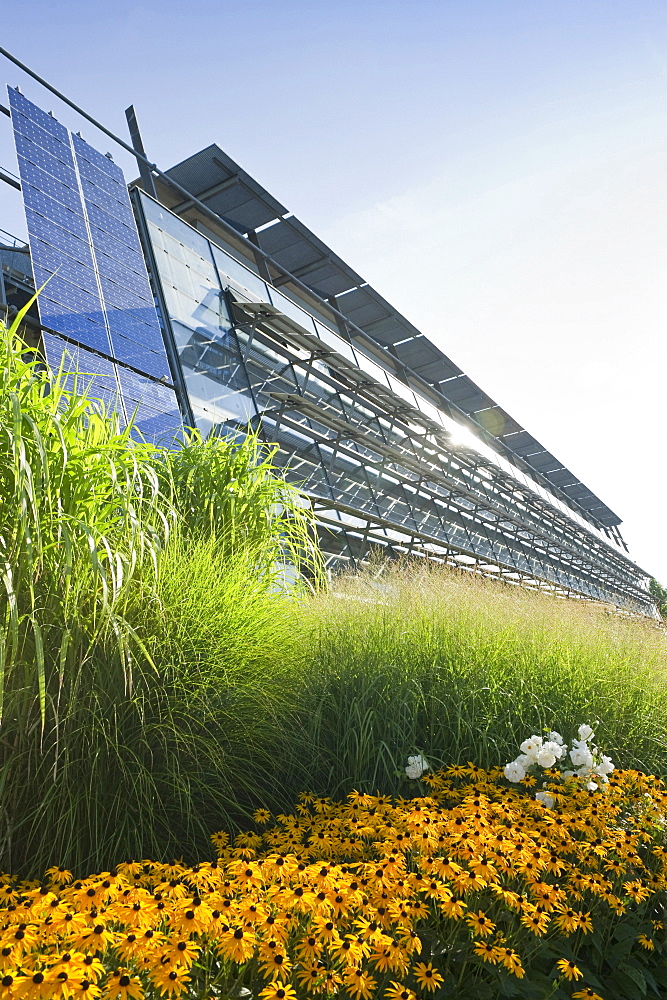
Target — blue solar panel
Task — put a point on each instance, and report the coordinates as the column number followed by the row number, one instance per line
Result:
column 94, row 158
column 64, row 189
column 107, row 202
column 45, row 159
column 67, row 293
column 51, row 209
column 85, row 371
column 68, row 267
column 104, row 243
column 30, row 111
column 122, row 275
column 85, row 246
column 43, row 232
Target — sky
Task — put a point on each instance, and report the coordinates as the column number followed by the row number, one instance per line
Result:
column 495, row 168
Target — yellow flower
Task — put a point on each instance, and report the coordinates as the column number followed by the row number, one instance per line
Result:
column 397, row 991
column 278, row 991
column 237, row 945
column 567, row 919
column 487, row 952
column 512, row 962
column 646, row 942
column 587, row 994
column 427, row 977
column 123, row 986
column 536, row 923
column 83, row 989
column 359, row 983
column 569, row 969
column 275, row 965
column 311, row 976
column 171, row 981
column 480, row 924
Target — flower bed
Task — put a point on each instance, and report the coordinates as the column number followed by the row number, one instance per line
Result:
column 474, row 889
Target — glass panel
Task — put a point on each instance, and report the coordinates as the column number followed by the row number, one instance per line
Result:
column 232, row 273
column 335, row 342
column 292, row 310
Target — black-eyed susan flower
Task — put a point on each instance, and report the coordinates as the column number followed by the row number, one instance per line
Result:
column 512, row 961
column 310, row 976
column 398, row 991
column 569, row 969
column 358, row 983
column 487, row 951
column 122, row 985
column 278, row 991
column 275, row 965
column 587, row 994
column 480, row 924
column 427, row 976
column 8, row 983
column 236, row 945
column 171, row 981
column 567, row 920
column 181, row 951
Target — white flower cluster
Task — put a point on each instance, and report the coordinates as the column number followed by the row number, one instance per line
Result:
column 585, row 760
column 416, row 766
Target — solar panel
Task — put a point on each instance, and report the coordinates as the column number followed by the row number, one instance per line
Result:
column 84, row 370
column 86, row 252
column 131, row 316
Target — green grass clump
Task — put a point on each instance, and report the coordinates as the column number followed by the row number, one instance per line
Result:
column 131, row 620
column 421, row 658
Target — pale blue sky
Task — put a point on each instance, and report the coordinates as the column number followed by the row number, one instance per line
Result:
column 495, row 168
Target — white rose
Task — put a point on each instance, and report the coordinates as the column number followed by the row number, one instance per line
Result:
column 581, row 756
column 606, row 766
column 514, row 771
column 555, row 737
column 532, row 746
column 556, row 749
column 525, row 760
column 416, row 766
column 583, row 772
column 591, row 786
column 585, row 732
column 546, row 799
column 546, row 758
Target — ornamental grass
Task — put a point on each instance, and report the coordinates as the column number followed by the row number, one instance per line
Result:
column 471, row 889
column 140, row 604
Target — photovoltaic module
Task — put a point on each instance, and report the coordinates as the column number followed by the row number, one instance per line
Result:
column 86, row 252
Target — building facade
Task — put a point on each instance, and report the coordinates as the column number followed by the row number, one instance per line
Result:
column 197, row 299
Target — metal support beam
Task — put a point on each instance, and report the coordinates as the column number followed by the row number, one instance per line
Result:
column 145, row 173
column 260, row 262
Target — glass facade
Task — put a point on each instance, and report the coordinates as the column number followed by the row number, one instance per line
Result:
column 377, row 460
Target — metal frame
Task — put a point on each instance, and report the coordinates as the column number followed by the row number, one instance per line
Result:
column 380, row 473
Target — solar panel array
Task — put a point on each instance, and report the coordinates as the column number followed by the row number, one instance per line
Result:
column 85, row 249
column 225, row 188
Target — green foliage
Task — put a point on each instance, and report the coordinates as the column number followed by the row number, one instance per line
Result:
column 659, row 593
column 423, row 659
column 127, row 616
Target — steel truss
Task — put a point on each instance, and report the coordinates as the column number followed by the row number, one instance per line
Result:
column 413, row 491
